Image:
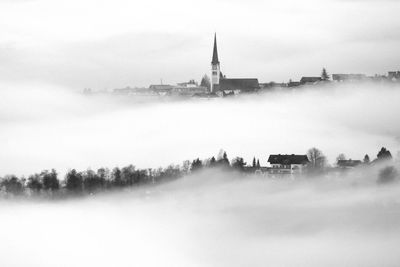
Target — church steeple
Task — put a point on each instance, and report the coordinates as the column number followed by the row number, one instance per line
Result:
column 215, row 52
column 215, row 68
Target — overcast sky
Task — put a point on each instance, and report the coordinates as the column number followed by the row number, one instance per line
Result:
column 108, row 44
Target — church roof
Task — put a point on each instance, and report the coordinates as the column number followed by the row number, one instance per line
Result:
column 239, row 84
column 215, row 52
column 288, row 159
column 310, row 80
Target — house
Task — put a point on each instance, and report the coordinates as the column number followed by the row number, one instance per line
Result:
column 272, row 85
column 310, row 80
column 348, row 77
column 255, row 170
column 394, row 76
column 379, row 78
column 287, row 164
column 191, row 84
column 189, row 91
column 293, row 84
column 161, row 89
column 348, row 164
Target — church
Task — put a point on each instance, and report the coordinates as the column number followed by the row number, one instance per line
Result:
column 223, row 86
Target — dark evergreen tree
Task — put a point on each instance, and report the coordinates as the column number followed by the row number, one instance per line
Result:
column 258, row 164
column 223, row 160
column 324, row 75
column 196, row 165
column 384, row 154
column 254, row 163
column 367, row 159
column 213, row 162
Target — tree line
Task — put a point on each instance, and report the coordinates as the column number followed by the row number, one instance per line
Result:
column 48, row 183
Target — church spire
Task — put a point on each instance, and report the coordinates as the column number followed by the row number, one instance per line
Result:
column 215, row 52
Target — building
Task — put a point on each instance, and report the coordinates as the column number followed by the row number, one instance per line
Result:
column 238, row 85
column 226, row 86
column 394, row 76
column 293, row 84
column 310, row 80
column 348, row 77
column 348, row 164
column 272, row 85
column 215, row 68
column 161, row 89
column 191, row 84
column 189, row 91
column 287, row 164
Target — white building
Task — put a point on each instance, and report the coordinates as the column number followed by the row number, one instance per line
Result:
column 288, row 164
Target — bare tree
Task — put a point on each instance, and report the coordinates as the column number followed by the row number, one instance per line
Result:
column 317, row 159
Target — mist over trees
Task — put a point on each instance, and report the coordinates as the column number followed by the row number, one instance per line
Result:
column 48, row 184
column 205, row 82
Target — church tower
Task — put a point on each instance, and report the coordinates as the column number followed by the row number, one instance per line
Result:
column 215, row 68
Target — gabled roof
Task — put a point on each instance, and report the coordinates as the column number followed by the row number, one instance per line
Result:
column 239, row 84
column 215, row 52
column 288, row 159
column 310, row 79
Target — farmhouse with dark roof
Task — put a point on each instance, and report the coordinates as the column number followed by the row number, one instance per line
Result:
column 287, row 164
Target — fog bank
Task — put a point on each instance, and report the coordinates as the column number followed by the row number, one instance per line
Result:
column 43, row 127
column 212, row 219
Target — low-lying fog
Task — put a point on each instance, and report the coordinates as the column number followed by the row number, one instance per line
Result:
column 43, row 127
column 212, row 219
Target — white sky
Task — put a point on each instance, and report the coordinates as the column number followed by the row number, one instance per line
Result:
column 107, row 44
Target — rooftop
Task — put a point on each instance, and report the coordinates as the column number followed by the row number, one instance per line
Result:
column 239, row 84
column 288, row 159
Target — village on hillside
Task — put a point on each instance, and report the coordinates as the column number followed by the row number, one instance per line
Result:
column 75, row 183
column 219, row 85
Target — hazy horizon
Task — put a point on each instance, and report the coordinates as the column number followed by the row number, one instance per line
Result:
column 113, row 44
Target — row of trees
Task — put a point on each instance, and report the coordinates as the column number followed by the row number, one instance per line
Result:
column 383, row 154
column 89, row 182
